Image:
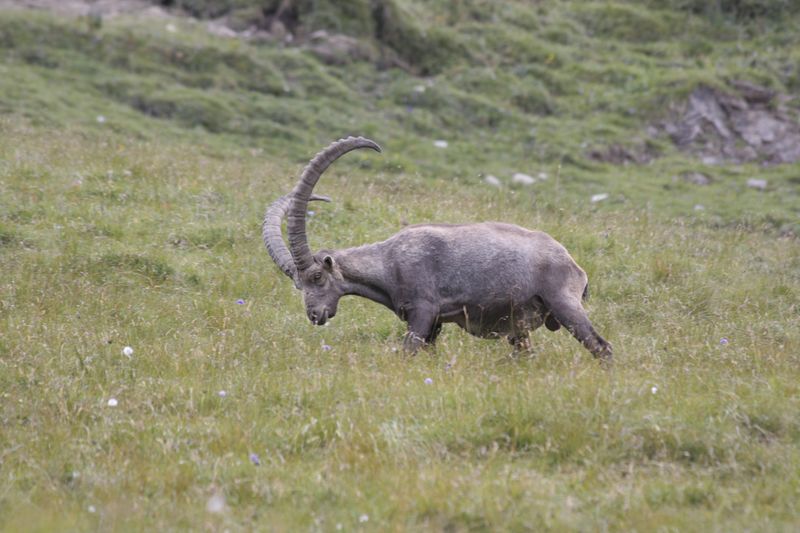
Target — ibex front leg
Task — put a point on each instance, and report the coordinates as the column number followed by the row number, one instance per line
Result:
column 422, row 328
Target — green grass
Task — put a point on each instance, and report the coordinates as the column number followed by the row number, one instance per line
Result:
column 152, row 249
column 144, row 231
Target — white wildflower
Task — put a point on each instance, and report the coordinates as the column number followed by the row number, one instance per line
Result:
column 216, row 503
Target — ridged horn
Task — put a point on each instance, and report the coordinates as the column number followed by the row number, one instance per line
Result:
column 296, row 221
column 273, row 238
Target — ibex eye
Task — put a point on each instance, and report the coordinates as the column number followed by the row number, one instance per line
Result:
column 317, row 276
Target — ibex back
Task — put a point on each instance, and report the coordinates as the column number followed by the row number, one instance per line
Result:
column 492, row 279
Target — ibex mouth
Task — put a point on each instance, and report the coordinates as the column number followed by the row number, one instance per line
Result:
column 319, row 319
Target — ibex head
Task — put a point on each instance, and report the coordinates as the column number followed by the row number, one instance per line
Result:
column 317, row 275
column 322, row 286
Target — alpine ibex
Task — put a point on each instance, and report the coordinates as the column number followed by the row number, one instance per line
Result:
column 492, row 279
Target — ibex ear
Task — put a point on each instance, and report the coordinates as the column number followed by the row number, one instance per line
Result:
column 327, row 262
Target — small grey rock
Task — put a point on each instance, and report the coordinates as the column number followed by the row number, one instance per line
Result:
column 757, row 183
column 697, row 178
column 522, row 179
column 492, row 180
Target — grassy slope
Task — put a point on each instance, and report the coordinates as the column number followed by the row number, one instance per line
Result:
column 534, row 89
column 143, row 231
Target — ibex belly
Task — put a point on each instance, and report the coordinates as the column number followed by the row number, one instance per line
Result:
column 498, row 321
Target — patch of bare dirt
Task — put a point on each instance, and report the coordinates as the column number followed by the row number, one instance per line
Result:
column 749, row 123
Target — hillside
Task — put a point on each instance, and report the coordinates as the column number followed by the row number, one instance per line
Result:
column 158, row 372
column 594, row 89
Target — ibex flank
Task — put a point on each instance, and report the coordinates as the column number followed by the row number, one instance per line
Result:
column 492, row 279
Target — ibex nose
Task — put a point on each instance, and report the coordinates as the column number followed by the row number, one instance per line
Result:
column 318, row 318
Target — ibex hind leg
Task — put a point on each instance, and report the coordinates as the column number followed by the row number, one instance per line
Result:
column 570, row 313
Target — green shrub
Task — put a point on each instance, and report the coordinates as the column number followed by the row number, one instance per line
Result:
column 7, row 237
column 624, row 22
column 429, row 50
column 211, row 8
column 531, row 96
column 738, row 9
column 351, row 17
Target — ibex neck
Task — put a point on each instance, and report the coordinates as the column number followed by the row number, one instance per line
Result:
column 363, row 269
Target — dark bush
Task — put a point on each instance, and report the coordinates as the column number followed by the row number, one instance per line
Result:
column 425, row 49
column 7, row 237
column 738, row 9
column 212, row 8
column 623, row 22
column 429, row 50
column 531, row 96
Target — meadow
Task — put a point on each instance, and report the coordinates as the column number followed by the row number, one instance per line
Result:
column 136, row 162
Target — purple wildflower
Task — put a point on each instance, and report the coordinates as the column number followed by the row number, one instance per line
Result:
column 240, row 301
column 255, row 459
column 326, row 347
column 428, row 381
column 723, row 341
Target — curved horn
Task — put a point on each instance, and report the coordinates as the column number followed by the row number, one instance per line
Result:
column 296, row 222
column 273, row 238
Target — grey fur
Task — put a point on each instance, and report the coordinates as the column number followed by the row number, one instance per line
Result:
column 492, row 279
